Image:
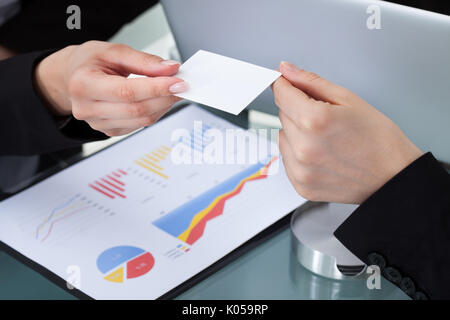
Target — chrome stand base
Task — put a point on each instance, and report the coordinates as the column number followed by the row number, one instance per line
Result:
column 315, row 246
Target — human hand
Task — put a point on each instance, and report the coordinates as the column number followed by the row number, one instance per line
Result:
column 335, row 146
column 90, row 82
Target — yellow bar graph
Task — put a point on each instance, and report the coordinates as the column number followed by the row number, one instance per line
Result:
column 152, row 158
column 164, row 153
column 152, row 164
column 143, row 165
column 158, row 156
column 153, row 161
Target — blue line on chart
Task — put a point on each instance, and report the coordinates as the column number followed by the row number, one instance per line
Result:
column 53, row 212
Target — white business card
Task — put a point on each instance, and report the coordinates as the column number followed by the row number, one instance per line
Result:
column 224, row 83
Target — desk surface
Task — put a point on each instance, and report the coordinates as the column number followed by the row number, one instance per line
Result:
column 269, row 271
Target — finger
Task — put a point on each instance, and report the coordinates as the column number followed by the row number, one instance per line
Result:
column 293, row 133
column 288, row 145
column 126, row 60
column 289, row 161
column 317, row 87
column 126, row 124
column 307, row 148
column 308, row 182
column 95, row 85
column 104, row 110
column 304, row 111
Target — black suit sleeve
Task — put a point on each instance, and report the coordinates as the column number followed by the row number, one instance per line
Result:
column 438, row 6
column 405, row 229
column 41, row 24
column 26, row 126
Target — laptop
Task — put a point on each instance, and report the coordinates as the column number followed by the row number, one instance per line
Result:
column 395, row 57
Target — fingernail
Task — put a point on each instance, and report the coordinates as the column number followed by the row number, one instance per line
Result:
column 169, row 62
column 179, row 87
column 288, row 66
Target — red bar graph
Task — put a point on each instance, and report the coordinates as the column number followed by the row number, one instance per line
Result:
column 111, row 185
column 122, row 172
column 101, row 191
column 115, row 180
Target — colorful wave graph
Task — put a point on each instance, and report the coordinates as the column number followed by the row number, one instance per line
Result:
column 188, row 222
column 111, row 185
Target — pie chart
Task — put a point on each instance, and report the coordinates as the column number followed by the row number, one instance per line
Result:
column 121, row 263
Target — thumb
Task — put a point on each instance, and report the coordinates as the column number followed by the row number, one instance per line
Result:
column 315, row 86
column 126, row 60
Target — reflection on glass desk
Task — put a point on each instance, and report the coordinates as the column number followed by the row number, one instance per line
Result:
column 269, row 271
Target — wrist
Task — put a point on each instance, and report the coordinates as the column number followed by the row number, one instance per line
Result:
column 50, row 82
column 406, row 155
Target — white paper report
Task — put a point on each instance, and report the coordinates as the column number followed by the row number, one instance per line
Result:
column 135, row 224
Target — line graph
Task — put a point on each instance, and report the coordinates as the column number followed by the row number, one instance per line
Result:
column 71, row 216
column 65, row 204
column 59, row 210
column 62, row 218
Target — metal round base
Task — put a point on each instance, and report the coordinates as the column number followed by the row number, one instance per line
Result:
column 315, row 246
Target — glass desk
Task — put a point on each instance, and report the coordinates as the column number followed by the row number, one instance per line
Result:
column 269, row 271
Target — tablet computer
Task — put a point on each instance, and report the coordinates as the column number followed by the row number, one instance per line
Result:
column 154, row 214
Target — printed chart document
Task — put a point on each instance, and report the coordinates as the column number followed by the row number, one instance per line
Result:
column 136, row 222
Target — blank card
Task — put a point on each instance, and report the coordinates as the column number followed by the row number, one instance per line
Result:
column 224, row 83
